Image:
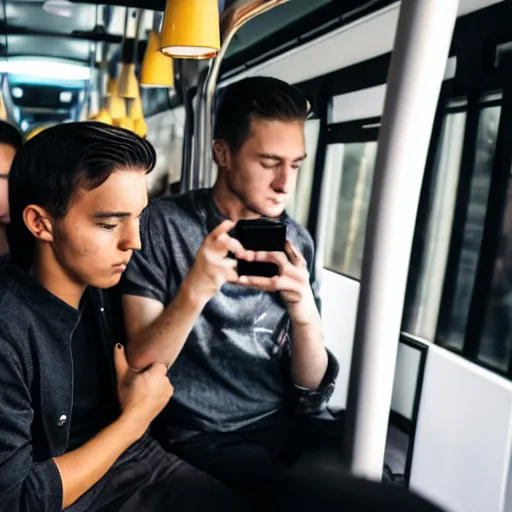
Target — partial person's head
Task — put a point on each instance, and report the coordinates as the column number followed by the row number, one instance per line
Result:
column 259, row 142
column 10, row 141
column 76, row 193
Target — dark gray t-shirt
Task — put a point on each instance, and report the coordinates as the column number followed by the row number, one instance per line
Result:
column 234, row 367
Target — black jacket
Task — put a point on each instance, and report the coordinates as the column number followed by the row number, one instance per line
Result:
column 36, row 388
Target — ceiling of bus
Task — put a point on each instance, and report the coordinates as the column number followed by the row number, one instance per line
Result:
column 30, row 31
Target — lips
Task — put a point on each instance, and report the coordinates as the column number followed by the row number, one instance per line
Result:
column 121, row 266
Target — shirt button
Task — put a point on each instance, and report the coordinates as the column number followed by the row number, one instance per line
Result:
column 62, row 420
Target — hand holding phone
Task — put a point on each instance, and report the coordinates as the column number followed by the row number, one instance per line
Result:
column 260, row 235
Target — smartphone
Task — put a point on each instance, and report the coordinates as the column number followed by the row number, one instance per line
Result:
column 260, row 235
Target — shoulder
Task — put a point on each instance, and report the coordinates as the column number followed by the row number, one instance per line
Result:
column 173, row 207
column 15, row 326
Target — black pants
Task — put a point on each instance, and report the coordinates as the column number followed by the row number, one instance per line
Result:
column 260, row 461
column 148, row 479
column 293, row 464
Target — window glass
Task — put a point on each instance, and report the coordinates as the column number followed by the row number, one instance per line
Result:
column 428, row 275
column 351, row 168
column 496, row 342
column 453, row 333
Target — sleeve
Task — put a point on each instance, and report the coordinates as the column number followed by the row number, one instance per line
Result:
column 25, row 485
column 309, row 401
column 148, row 273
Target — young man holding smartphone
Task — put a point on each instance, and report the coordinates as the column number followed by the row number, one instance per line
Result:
column 245, row 353
column 73, row 414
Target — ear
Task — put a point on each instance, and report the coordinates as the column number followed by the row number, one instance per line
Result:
column 38, row 222
column 221, row 153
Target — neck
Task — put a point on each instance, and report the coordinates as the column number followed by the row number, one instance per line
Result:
column 229, row 203
column 52, row 276
column 4, row 246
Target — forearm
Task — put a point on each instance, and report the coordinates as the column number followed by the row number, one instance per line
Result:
column 163, row 340
column 308, row 355
column 82, row 468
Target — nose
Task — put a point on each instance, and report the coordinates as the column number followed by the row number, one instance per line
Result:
column 283, row 181
column 130, row 240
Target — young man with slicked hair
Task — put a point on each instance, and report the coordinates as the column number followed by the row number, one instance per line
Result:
column 73, row 414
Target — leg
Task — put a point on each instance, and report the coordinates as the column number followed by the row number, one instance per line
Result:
column 147, row 479
column 241, row 462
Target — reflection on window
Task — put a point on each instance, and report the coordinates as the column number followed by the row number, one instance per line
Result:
column 300, row 200
column 427, row 279
column 496, row 343
column 348, row 195
column 453, row 335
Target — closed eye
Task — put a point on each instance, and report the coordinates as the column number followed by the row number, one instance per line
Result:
column 108, row 227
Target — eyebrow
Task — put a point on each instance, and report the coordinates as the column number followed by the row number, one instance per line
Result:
column 111, row 215
column 270, row 156
column 4, row 175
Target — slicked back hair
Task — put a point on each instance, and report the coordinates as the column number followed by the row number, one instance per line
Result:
column 52, row 167
column 10, row 135
column 257, row 97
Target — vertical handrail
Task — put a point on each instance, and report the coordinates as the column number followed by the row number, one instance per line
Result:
column 422, row 45
column 232, row 20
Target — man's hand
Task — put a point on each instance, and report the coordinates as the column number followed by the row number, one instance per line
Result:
column 292, row 282
column 142, row 395
column 212, row 267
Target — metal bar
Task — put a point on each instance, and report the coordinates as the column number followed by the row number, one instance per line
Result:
column 422, row 45
column 233, row 19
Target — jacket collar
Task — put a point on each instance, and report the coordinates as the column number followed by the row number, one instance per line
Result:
column 37, row 298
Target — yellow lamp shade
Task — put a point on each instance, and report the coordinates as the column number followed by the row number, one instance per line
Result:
column 128, row 87
column 140, row 127
column 116, row 107
column 135, row 109
column 191, row 29
column 3, row 110
column 111, row 87
column 103, row 116
column 157, row 69
column 127, row 123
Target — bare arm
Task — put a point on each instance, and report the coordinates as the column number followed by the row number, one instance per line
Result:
column 142, row 396
column 158, row 334
column 85, row 466
column 309, row 357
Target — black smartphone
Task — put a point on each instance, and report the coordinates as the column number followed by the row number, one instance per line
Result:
column 260, row 235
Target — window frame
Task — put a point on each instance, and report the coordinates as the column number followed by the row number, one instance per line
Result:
column 350, row 132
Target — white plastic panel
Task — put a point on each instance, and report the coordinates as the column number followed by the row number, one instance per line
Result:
column 369, row 102
column 358, row 105
column 463, row 436
column 406, row 378
column 339, row 308
column 339, row 296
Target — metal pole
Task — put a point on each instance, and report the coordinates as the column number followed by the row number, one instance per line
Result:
column 418, row 62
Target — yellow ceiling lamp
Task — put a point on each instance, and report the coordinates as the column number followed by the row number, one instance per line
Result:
column 157, row 69
column 103, row 116
column 128, row 85
column 135, row 108
column 127, row 123
column 3, row 110
column 191, row 29
column 136, row 114
column 116, row 106
column 140, row 127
